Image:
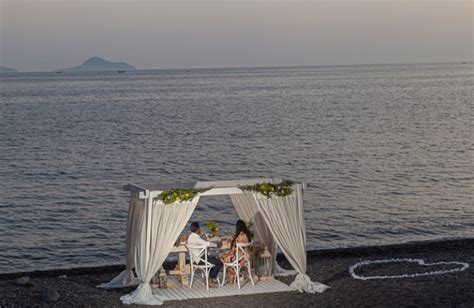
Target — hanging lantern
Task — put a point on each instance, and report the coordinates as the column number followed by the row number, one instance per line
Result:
column 265, row 269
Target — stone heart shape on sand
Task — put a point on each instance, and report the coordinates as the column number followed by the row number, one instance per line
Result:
column 463, row 267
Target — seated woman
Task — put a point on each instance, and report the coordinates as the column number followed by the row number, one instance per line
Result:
column 242, row 236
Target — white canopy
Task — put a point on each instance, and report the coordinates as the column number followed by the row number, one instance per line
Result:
column 153, row 227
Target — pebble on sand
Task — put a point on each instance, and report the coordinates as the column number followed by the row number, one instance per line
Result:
column 24, row 281
column 50, row 295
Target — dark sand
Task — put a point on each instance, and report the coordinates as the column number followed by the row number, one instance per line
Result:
column 326, row 266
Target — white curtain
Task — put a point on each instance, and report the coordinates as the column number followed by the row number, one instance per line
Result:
column 284, row 217
column 247, row 209
column 126, row 278
column 158, row 232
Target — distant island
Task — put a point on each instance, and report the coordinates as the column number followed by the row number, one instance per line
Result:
column 99, row 64
column 4, row 69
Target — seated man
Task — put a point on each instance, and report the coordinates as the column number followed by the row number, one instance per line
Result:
column 195, row 239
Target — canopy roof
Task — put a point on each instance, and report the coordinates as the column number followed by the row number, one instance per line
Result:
column 217, row 187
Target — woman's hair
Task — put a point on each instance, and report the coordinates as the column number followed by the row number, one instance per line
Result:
column 240, row 226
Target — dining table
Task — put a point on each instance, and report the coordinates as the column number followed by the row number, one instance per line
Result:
column 182, row 270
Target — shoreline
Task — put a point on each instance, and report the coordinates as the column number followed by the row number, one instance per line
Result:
column 365, row 250
column 77, row 286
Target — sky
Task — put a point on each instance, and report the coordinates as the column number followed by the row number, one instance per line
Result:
column 37, row 35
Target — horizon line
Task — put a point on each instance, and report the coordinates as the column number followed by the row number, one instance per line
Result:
column 248, row 67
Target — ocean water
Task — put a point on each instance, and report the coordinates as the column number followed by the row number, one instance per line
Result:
column 387, row 149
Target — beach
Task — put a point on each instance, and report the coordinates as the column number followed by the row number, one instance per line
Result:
column 76, row 287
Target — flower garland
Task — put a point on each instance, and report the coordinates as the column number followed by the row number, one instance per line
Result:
column 420, row 262
column 268, row 189
column 179, row 195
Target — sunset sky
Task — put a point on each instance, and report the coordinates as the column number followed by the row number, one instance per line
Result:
column 44, row 35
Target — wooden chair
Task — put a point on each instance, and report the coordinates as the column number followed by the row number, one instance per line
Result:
column 197, row 262
column 241, row 256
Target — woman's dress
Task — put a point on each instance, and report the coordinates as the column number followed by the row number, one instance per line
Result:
column 229, row 256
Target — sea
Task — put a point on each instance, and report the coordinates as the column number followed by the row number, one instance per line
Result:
column 387, row 152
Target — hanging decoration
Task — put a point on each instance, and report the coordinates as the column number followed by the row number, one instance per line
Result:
column 268, row 189
column 179, row 195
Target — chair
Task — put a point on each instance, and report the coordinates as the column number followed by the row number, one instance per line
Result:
column 195, row 258
column 241, row 254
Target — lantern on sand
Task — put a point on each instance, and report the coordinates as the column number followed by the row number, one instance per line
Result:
column 265, row 269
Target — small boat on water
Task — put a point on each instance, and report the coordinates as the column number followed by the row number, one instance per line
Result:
column 121, row 72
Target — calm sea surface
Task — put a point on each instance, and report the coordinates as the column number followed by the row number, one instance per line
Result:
column 388, row 151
